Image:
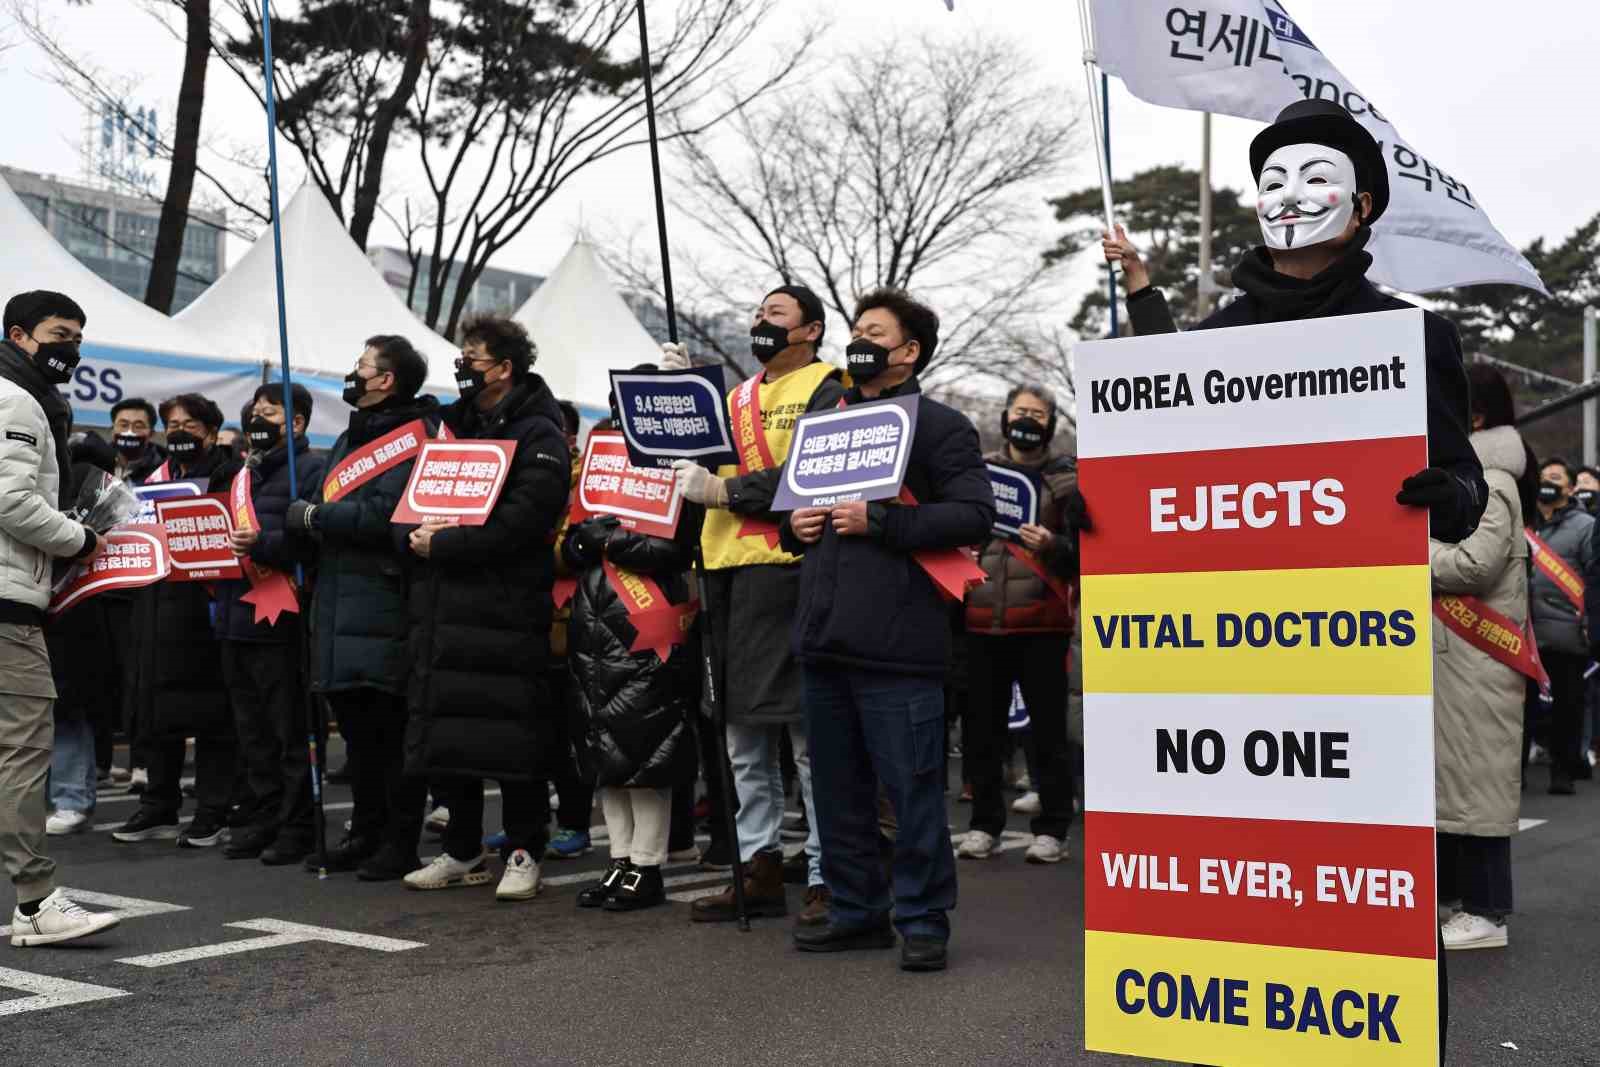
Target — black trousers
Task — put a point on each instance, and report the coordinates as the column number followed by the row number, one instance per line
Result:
column 214, row 760
column 524, row 814
column 713, row 757
column 1566, row 711
column 1477, row 872
column 388, row 805
column 1038, row 663
column 576, row 791
column 266, row 690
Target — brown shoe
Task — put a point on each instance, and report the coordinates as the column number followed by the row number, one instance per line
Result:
column 763, row 893
column 815, row 913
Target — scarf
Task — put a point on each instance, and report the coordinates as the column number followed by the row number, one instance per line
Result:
column 1285, row 299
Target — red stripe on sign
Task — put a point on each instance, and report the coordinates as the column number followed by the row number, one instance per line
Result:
column 1360, row 888
column 1271, row 508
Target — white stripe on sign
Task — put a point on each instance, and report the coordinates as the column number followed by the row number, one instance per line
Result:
column 49, row 992
column 124, row 907
column 278, row 933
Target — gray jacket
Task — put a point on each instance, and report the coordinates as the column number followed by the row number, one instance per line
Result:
column 32, row 530
column 1557, row 622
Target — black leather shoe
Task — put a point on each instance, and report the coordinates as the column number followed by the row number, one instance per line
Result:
column 922, row 952
column 284, row 851
column 388, row 864
column 831, row 938
column 247, row 844
column 351, row 854
column 640, row 887
column 595, row 896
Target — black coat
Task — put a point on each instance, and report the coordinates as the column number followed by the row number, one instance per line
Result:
column 359, row 625
column 864, row 601
column 634, row 712
column 480, row 610
column 177, row 672
column 1449, row 417
column 86, row 670
column 269, row 490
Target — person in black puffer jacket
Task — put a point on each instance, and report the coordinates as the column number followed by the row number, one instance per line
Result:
column 262, row 661
column 480, row 609
column 359, row 624
column 635, row 710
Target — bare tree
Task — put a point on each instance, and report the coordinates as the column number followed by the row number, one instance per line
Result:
column 920, row 174
column 163, row 281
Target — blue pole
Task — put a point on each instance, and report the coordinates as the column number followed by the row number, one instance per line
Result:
column 1111, row 272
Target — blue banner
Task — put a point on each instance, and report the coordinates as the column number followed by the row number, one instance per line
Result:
column 675, row 414
column 856, row 453
column 1016, row 501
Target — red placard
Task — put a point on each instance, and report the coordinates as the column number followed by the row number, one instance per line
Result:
column 642, row 499
column 456, row 482
column 127, row 558
column 197, row 531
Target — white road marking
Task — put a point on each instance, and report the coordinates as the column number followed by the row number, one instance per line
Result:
column 278, row 933
column 125, row 907
column 1529, row 824
column 50, row 992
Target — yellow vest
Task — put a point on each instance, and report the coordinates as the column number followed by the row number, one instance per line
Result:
column 782, row 403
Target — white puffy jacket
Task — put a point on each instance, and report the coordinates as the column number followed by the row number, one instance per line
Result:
column 32, row 531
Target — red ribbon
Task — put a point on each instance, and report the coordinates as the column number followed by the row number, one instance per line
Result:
column 754, row 451
column 562, row 592
column 366, row 463
column 953, row 570
column 1030, row 561
column 1493, row 634
column 272, row 593
column 660, row 625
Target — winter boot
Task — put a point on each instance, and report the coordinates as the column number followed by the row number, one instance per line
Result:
column 763, row 893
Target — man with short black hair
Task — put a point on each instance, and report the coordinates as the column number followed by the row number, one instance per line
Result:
column 133, row 421
column 872, row 636
column 43, row 330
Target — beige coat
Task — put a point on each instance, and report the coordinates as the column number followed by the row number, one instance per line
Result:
column 1477, row 701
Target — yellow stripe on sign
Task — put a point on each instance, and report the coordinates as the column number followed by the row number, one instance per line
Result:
column 1248, row 1005
column 1351, row 630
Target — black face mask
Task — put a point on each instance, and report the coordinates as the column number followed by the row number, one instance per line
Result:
column 767, row 340
column 1549, row 492
column 1026, row 434
column 129, row 444
column 1587, row 499
column 57, row 360
column 184, row 447
column 865, row 359
column 264, row 436
column 469, row 379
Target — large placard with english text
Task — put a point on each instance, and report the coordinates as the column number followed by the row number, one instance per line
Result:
column 1258, row 679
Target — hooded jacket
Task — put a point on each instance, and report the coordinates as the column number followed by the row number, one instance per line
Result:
column 480, row 609
column 1477, row 701
column 1013, row 599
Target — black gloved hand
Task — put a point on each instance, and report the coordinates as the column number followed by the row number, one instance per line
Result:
column 585, row 543
column 301, row 516
column 1428, row 488
column 1075, row 511
column 91, row 541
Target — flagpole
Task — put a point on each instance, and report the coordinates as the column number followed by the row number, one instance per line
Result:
column 1097, row 92
column 655, row 173
column 1111, row 271
column 313, row 740
column 1202, row 301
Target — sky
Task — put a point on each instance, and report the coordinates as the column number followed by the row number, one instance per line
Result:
column 1488, row 91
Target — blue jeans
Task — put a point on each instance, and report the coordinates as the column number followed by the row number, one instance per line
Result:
column 868, row 728
column 758, row 779
column 72, row 766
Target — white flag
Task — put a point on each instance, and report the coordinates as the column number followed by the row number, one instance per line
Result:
column 1249, row 58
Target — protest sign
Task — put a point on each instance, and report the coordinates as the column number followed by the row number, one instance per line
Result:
column 197, row 530
column 149, row 494
column 127, row 558
column 1016, row 500
column 671, row 415
column 855, row 453
column 456, row 482
column 1257, row 658
column 646, row 499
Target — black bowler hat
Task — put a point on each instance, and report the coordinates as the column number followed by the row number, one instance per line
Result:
column 1324, row 122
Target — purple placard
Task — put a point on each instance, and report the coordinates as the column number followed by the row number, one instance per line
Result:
column 856, row 453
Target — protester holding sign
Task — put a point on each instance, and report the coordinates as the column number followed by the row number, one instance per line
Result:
column 178, row 690
column 752, row 592
column 358, row 608
column 42, row 333
column 1322, row 187
column 1563, row 553
column 873, row 642
column 1481, row 608
column 1019, row 623
column 480, row 609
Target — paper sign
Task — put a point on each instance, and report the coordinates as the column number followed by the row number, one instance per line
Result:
column 1016, row 501
column 1258, row 680
column 197, row 531
column 855, row 453
column 456, row 482
column 149, row 494
column 672, row 415
column 646, row 499
column 127, row 558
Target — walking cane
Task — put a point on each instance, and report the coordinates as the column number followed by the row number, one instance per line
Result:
column 313, row 716
column 707, row 639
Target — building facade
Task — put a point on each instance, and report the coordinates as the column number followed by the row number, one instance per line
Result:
column 496, row 292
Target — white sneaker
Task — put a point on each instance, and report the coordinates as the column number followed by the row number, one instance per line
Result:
column 521, row 880
column 1045, row 849
column 685, row 855
column 120, row 776
column 976, row 845
column 62, row 823
column 1027, row 804
column 447, row 872
column 1023, row 784
column 1473, row 931
column 58, row 919
column 139, row 780
column 438, row 820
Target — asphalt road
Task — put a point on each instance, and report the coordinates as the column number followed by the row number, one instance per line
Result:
column 542, row 982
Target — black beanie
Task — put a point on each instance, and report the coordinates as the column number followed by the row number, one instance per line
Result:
column 810, row 305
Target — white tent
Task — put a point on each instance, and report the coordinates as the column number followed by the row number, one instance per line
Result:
column 584, row 330
column 334, row 300
column 129, row 349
